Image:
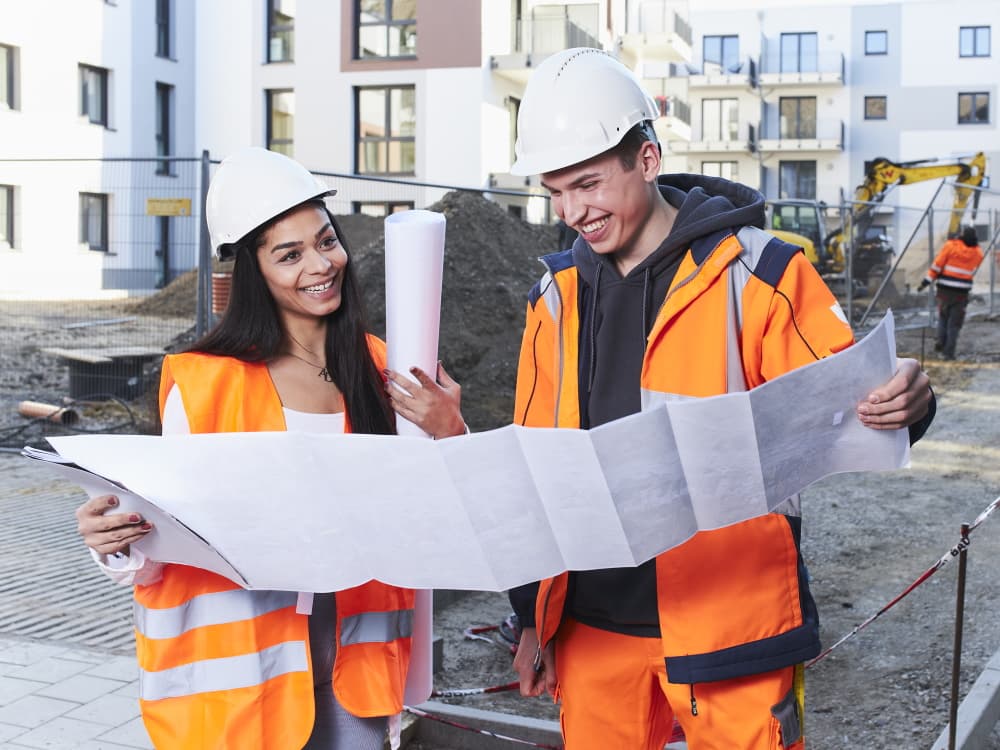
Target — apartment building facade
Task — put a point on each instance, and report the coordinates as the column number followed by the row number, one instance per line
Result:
column 790, row 97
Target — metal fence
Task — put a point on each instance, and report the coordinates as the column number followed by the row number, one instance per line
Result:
column 109, row 264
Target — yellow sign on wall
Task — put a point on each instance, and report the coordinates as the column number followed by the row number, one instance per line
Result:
column 168, row 206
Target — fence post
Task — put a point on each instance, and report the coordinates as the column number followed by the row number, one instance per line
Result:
column 931, row 253
column 956, row 663
column 204, row 305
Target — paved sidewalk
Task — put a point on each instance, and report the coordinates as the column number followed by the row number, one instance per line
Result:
column 67, row 697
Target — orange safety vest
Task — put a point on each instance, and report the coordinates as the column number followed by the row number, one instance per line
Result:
column 955, row 265
column 222, row 667
column 732, row 601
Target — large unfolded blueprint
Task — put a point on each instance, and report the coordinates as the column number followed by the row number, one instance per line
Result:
column 490, row 510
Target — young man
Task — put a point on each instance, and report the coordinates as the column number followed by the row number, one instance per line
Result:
column 953, row 269
column 671, row 289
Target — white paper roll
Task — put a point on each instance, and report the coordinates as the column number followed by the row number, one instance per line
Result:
column 414, row 261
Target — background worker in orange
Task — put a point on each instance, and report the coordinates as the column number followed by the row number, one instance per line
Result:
column 670, row 290
column 270, row 670
column 953, row 269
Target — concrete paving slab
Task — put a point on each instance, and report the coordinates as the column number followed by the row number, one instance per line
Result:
column 80, row 688
column 59, row 734
column 12, row 689
column 131, row 734
column 110, row 710
column 50, row 669
column 121, row 668
column 34, row 710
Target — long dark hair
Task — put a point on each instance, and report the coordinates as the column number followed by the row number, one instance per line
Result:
column 250, row 330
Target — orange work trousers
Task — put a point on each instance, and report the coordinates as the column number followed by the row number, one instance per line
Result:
column 614, row 694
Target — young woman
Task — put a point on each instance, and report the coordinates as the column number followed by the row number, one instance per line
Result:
column 224, row 667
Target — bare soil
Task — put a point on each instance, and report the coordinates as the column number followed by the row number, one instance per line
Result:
column 866, row 537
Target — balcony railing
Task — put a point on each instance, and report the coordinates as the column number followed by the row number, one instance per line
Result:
column 741, row 138
column 660, row 17
column 672, row 106
column 820, row 65
column 544, row 34
column 831, row 131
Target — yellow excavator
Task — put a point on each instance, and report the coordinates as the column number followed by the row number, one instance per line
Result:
column 801, row 222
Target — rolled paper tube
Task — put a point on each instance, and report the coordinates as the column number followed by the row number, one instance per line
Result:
column 58, row 414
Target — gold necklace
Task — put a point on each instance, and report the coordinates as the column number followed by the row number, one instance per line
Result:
column 323, row 372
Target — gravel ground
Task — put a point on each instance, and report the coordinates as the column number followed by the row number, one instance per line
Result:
column 866, row 538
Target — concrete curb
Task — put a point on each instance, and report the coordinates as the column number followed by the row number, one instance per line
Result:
column 979, row 713
column 523, row 728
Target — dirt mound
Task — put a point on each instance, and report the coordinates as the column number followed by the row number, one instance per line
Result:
column 490, row 263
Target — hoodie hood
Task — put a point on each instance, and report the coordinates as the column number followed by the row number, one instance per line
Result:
column 704, row 205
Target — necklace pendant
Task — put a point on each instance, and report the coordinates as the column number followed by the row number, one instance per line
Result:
column 325, row 374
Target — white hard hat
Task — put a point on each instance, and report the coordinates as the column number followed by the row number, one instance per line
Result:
column 578, row 103
column 251, row 187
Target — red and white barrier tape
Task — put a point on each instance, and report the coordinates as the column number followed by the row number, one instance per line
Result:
column 424, row 715
column 942, row 561
column 462, row 692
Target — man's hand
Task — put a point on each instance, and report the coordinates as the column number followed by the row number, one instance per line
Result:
column 900, row 402
column 535, row 676
column 923, row 285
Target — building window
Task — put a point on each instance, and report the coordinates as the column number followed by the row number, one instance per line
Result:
column 386, row 129
column 380, row 209
column 797, row 116
column 799, row 52
column 720, row 54
column 726, row 169
column 974, row 41
column 386, row 28
column 719, row 119
column 974, row 108
column 281, row 121
column 7, row 87
column 163, row 28
column 875, row 108
column 164, row 102
column 6, row 216
column 876, row 42
column 797, row 179
column 94, row 94
column 280, row 30
column 513, row 107
column 94, row 221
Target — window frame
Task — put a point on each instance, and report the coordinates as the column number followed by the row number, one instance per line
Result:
column 798, row 178
column 798, row 134
column 390, row 207
column 102, row 75
column 798, row 36
column 164, row 132
column 976, row 52
column 721, row 137
column 733, row 168
column 7, row 228
column 389, row 24
column 9, row 100
column 388, row 139
column 85, row 239
column 273, row 29
column 972, row 109
column 871, row 34
column 885, row 107
column 722, row 39
column 269, row 137
column 163, row 16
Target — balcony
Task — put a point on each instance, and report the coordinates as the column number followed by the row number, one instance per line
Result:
column 825, row 135
column 656, row 33
column 674, row 122
column 739, row 140
column 713, row 76
column 820, row 69
column 550, row 28
column 506, row 181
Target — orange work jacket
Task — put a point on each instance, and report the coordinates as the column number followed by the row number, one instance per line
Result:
column 222, row 667
column 732, row 601
column 955, row 265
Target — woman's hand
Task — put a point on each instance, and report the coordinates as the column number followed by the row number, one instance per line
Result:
column 434, row 406
column 109, row 533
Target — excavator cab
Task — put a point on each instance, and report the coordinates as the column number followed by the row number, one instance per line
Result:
column 800, row 222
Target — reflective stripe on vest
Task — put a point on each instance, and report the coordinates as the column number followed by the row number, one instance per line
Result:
column 376, row 627
column 227, row 673
column 209, row 609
